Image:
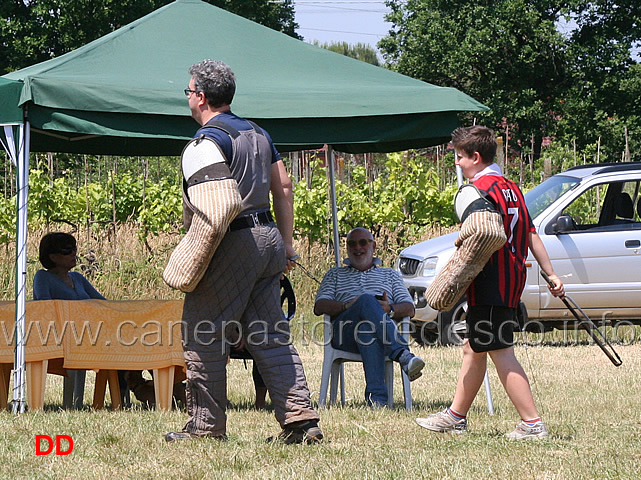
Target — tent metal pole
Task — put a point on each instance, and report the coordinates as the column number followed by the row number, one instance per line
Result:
column 459, row 173
column 22, row 169
column 332, row 195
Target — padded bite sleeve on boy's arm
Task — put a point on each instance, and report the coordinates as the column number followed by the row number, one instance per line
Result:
column 214, row 205
column 481, row 235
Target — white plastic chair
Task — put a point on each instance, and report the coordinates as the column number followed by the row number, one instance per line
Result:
column 334, row 359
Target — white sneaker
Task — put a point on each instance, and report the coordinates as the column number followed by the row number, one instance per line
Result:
column 443, row 422
column 413, row 368
column 524, row 431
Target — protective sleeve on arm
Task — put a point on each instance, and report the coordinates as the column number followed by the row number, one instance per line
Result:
column 212, row 203
column 481, row 235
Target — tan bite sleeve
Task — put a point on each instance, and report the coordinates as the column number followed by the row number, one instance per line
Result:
column 215, row 204
column 481, row 235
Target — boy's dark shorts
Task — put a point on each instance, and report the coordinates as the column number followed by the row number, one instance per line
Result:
column 490, row 327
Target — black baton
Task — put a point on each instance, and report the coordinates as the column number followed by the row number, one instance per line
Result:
column 588, row 325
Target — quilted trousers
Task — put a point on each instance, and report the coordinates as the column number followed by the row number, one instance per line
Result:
column 241, row 289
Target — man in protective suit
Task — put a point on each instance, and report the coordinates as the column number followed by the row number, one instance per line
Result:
column 239, row 286
column 494, row 293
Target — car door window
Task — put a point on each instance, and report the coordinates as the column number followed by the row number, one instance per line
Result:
column 586, row 209
column 599, row 259
column 607, row 207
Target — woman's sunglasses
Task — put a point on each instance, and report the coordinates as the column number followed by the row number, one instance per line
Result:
column 363, row 242
column 67, row 251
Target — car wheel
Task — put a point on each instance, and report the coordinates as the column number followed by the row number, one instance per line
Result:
column 451, row 324
column 425, row 333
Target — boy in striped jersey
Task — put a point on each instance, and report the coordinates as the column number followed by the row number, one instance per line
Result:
column 361, row 298
column 494, row 295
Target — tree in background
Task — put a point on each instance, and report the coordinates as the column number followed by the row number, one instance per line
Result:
column 602, row 101
column 359, row 51
column 506, row 54
column 510, row 55
column 32, row 31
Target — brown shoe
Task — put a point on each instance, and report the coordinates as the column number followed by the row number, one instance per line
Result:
column 307, row 432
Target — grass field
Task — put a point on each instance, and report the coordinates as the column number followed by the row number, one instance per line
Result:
column 592, row 409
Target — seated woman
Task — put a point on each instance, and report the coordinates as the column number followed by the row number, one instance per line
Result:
column 58, row 256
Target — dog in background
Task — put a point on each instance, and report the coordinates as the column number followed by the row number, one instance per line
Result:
column 143, row 390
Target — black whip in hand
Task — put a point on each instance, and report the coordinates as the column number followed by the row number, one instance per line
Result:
column 588, row 325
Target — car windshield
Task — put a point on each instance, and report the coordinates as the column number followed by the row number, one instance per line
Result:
column 543, row 195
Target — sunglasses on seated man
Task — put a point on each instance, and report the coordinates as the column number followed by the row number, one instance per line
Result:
column 363, row 242
column 67, row 251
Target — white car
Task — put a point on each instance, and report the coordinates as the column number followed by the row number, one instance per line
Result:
column 589, row 219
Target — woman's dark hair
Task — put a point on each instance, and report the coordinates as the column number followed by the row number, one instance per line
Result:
column 53, row 243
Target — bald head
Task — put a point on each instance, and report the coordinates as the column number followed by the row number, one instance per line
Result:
column 360, row 248
column 363, row 233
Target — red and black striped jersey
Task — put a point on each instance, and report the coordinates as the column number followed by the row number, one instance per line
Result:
column 502, row 280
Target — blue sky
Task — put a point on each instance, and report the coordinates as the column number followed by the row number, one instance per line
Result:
column 355, row 21
column 341, row 20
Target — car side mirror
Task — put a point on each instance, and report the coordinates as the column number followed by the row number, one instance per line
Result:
column 564, row 224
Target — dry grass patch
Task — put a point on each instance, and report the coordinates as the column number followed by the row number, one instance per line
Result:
column 591, row 408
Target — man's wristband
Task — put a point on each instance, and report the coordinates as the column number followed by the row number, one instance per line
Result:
column 344, row 306
column 391, row 311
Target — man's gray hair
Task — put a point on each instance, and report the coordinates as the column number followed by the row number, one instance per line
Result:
column 216, row 80
column 361, row 229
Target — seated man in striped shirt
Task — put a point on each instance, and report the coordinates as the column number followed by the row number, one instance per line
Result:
column 362, row 298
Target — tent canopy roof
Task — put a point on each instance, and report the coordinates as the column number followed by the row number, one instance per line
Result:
column 10, row 91
column 123, row 93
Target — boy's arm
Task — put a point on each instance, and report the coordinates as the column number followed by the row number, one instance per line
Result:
column 541, row 255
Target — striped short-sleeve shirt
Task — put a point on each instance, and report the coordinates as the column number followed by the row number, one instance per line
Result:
column 344, row 283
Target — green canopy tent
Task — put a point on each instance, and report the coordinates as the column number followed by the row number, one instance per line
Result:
column 123, row 94
column 14, row 136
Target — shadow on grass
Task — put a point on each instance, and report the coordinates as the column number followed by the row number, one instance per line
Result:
column 418, row 406
column 249, row 405
column 430, row 406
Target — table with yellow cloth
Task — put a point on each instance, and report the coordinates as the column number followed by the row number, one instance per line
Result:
column 102, row 335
